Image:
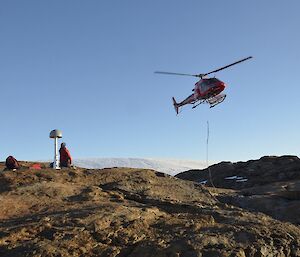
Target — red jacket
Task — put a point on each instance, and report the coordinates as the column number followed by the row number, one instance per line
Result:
column 65, row 156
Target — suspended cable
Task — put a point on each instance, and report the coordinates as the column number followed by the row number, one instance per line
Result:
column 208, row 167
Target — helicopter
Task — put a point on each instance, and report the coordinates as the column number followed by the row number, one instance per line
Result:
column 206, row 90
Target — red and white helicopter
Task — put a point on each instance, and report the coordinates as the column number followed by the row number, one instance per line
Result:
column 207, row 90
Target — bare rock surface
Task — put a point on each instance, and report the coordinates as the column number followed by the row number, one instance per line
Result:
column 270, row 185
column 239, row 175
column 131, row 212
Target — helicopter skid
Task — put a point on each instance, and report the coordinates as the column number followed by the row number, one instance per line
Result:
column 200, row 102
column 215, row 100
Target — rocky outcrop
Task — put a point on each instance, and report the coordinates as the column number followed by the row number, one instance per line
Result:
column 270, row 185
column 130, row 212
column 239, row 175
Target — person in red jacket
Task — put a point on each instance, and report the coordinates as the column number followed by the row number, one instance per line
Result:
column 65, row 156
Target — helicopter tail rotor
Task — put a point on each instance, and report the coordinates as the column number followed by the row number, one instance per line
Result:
column 176, row 107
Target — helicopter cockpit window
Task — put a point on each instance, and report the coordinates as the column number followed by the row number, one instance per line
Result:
column 205, row 85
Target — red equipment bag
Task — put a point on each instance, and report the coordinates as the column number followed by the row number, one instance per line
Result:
column 35, row 166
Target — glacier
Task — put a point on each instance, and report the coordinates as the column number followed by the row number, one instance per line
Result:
column 168, row 166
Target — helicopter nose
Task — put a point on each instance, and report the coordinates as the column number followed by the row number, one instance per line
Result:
column 222, row 85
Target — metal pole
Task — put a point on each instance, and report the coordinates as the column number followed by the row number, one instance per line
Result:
column 56, row 160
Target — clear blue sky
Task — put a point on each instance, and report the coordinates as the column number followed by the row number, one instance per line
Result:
column 86, row 67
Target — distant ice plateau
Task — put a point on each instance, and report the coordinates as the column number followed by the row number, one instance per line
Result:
column 168, row 166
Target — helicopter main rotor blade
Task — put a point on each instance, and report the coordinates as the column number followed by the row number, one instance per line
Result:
column 202, row 75
column 227, row 66
column 173, row 73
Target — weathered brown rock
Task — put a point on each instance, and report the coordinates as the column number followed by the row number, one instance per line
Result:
column 131, row 212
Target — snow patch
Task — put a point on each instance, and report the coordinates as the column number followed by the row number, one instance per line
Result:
column 237, row 178
column 242, row 180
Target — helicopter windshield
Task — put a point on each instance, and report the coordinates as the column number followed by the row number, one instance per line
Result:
column 206, row 84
